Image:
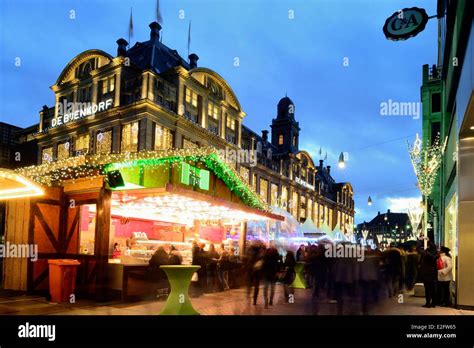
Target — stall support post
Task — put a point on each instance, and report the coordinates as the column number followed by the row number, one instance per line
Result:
column 102, row 241
column 242, row 237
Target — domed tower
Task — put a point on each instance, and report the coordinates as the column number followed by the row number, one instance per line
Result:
column 285, row 129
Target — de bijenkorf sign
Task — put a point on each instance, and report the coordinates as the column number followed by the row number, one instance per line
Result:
column 405, row 23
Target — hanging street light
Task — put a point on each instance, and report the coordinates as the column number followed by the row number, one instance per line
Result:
column 341, row 162
column 369, row 201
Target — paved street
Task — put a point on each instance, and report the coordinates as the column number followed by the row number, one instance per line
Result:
column 233, row 302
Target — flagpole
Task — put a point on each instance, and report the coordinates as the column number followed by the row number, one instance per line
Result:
column 130, row 27
column 189, row 37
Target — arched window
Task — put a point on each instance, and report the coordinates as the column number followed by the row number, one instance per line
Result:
column 294, row 140
column 280, row 139
column 259, row 147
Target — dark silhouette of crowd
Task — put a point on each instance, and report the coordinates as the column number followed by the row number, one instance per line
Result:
column 335, row 280
column 381, row 274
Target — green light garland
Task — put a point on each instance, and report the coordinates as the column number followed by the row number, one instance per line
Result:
column 92, row 166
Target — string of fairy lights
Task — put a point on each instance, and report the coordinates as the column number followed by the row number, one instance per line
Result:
column 95, row 166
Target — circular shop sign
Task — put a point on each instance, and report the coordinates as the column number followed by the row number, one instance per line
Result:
column 405, row 23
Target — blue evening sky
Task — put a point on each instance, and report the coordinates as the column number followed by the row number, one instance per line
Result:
column 337, row 106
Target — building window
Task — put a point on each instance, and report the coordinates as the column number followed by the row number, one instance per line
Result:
column 435, row 131
column 310, row 208
column 47, row 155
column 264, row 189
column 108, row 85
column 284, row 197
column 294, row 204
column 303, row 207
column 85, row 94
column 191, row 97
column 104, row 142
column 130, row 137
column 436, row 102
column 190, row 116
column 163, row 138
column 294, row 140
column 280, row 139
column 188, row 144
column 230, row 138
column 254, row 182
column 245, row 173
column 82, row 144
column 230, row 123
column 213, row 126
column 63, row 150
column 212, row 110
column 273, row 194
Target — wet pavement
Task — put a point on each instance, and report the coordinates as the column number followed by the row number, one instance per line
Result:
column 231, row 302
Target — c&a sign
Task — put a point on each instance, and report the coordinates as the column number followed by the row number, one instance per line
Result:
column 405, row 23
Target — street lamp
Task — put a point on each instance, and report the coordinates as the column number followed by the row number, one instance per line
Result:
column 341, row 162
column 369, row 201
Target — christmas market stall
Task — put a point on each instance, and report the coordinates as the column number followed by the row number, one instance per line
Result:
column 112, row 212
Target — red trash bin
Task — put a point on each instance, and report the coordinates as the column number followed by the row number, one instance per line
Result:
column 62, row 279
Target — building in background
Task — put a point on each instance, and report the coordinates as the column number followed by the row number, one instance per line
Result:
column 387, row 228
column 150, row 98
column 448, row 109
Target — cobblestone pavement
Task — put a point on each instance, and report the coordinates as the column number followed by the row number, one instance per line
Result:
column 232, row 302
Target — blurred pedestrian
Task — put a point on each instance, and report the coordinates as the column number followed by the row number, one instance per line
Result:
column 288, row 274
column 270, row 267
column 429, row 273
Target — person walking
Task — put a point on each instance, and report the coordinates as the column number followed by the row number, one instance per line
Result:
column 429, row 273
column 445, row 276
column 270, row 267
column 289, row 274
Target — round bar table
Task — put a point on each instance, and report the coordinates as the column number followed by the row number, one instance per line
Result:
column 178, row 302
column 299, row 282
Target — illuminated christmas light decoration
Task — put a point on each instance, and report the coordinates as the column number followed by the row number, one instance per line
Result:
column 415, row 214
column 94, row 166
column 13, row 185
column 426, row 161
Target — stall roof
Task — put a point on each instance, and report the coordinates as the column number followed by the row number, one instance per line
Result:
column 13, row 185
column 172, row 203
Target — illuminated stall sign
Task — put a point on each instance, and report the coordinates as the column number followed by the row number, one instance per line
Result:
column 75, row 111
column 194, row 176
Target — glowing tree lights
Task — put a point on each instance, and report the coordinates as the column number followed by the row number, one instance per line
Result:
column 426, row 161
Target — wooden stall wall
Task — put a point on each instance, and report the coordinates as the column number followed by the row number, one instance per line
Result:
column 16, row 232
column 46, row 231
